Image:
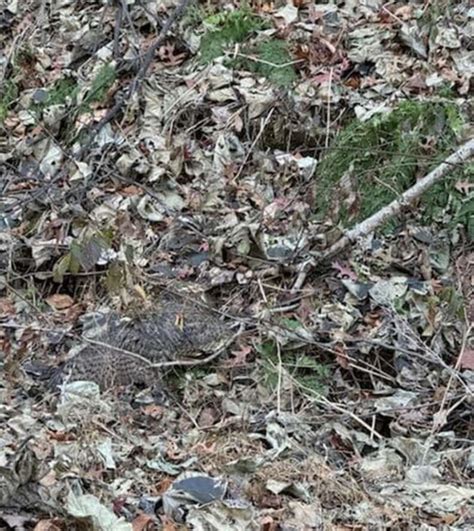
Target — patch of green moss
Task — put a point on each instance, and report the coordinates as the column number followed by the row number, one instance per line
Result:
column 272, row 59
column 446, row 90
column 8, row 96
column 62, row 90
column 102, row 82
column 66, row 89
column 226, row 29
column 466, row 210
column 308, row 373
column 383, row 156
column 61, row 93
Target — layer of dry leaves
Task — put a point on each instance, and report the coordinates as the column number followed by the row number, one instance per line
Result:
column 206, row 181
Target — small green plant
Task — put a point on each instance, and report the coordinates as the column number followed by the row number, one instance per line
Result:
column 464, row 208
column 383, row 157
column 272, row 60
column 226, row 29
column 9, row 93
column 104, row 79
column 62, row 91
column 446, row 90
column 269, row 58
column 66, row 90
column 194, row 16
column 307, row 372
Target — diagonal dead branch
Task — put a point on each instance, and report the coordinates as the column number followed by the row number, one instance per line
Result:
column 366, row 227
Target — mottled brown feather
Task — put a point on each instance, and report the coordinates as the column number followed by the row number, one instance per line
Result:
column 175, row 328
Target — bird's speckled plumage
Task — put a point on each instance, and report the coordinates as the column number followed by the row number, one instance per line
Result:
column 129, row 347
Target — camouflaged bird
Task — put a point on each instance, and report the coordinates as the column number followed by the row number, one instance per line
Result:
column 134, row 349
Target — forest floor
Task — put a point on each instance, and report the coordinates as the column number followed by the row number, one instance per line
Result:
column 238, row 149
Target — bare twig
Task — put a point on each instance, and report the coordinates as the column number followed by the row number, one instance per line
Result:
column 268, row 63
column 328, row 111
column 323, row 401
column 280, row 377
column 254, row 143
column 441, row 417
column 121, row 7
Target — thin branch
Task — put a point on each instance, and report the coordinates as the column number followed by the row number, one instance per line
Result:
column 137, row 81
column 132, row 88
column 121, row 7
column 366, row 227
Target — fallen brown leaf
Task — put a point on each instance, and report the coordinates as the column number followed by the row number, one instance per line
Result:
column 60, row 301
column 6, row 307
column 47, row 525
column 467, row 359
column 142, row 522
